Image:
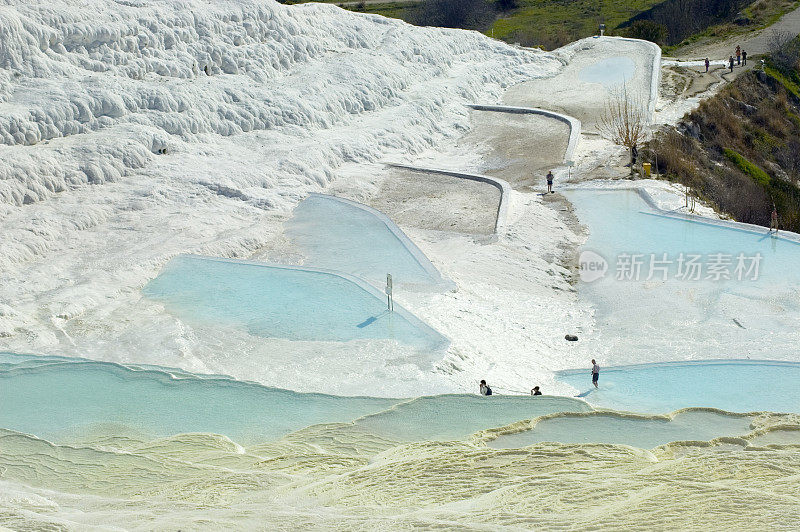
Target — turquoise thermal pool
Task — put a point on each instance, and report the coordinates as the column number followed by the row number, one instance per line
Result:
column 284, row 302
column 638, row 431
column 678, row 289
column 455, row 417
column 59, row 398
column 609, row 72
column 732, row 385
column 341, row 235
column 67, row 399
column 56, row 398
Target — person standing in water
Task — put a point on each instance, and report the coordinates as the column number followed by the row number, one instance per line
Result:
column 773, row 221
column 485, row 390
column 595, row 373
column 550, row 181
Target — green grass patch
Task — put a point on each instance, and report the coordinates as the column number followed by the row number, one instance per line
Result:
column 759, row 175
column 556, row 22
column 389, row 9
column 795, row 118
column 789, row 83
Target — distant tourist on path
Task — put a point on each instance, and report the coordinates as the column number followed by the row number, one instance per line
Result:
column 730, row 63
column 708, row 64
column 595, row 373
column 485, row 390
column 773, row 222
column 744, row 58
column 536, row 391
column 550, row 181
column 738, row 55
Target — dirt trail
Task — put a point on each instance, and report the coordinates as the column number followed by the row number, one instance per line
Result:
column 755, row 43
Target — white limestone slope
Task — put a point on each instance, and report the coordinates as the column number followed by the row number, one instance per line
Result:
column 125, row 80
column 255, row 103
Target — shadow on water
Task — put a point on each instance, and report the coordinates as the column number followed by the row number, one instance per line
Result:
column 372, row 319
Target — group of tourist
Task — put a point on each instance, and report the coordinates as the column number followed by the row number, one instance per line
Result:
column 486, row 390
column 741, row 59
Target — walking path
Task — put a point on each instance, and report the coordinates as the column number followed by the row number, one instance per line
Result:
column 685, row 80
column 754, row 44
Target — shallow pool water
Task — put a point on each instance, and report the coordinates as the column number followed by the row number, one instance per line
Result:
column 732, row 385
column 60, row 398
column 455, row 417
column 66, row 400
column 678, row 289
column 342, row 235
column 55, row 398
column 778, row 437
column 637, row 431
column 284, row 302
column 610, row 72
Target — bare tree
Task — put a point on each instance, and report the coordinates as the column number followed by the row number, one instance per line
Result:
column 777, row 39
column 784, row 50
column 623, row 120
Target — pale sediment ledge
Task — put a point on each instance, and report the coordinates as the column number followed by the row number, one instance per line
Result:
column 418, row 198
column 523, row 144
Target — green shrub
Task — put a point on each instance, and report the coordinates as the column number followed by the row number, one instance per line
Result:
column 759, row 175
column 794, row 118
column 648, row 31
column 789, row 84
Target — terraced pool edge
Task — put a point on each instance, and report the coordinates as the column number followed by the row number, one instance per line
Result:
column 412, row 319
column 500, row 184
column 407, row 243
column 573, row 123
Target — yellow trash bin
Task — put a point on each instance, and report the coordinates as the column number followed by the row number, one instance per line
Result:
column 646, row 169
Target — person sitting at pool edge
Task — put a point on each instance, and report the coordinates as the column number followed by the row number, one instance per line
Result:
column 595, row 373
column 536, row 391
column 485, row 390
